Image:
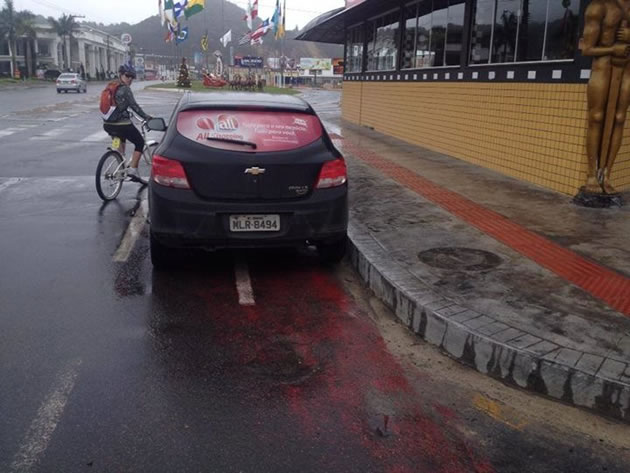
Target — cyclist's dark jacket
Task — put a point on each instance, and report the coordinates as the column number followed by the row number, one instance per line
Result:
column 124, row 100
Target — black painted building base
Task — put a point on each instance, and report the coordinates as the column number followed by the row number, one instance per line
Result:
column 596, row 200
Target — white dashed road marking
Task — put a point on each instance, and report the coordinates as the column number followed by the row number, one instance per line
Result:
column 244, row 284
column 11, row 131
column 9, row 182
column 52, row 133
column 40, row 432
column 133, row 232
column 97, row 137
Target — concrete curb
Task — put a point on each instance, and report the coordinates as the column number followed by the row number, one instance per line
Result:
column 491, row 347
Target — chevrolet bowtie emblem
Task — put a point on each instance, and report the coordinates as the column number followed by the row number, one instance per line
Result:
column 255, row 171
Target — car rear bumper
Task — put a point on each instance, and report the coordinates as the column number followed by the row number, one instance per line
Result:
column 180, row 219
column 70, row 87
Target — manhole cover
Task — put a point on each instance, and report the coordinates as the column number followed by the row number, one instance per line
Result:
column 464, row 259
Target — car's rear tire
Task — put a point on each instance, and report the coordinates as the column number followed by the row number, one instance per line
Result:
column 332, row 253
column 162, row 257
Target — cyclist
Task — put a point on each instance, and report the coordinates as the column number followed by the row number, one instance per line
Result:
column 119, row 124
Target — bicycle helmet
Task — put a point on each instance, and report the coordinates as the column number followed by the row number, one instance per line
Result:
column 127, row 70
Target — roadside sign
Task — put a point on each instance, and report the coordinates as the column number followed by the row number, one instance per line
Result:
column 125, row 38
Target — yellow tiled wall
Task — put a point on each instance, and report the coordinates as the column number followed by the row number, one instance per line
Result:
column 534, row 132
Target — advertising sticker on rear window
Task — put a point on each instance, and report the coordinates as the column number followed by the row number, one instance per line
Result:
column 249, row 131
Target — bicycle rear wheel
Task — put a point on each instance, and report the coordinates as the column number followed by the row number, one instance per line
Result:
column 110, row 175
column 146, row 161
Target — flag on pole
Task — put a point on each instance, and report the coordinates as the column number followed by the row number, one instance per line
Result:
column 248, row 15
column 275, row 18
column 193, row 7
column 179, row 8
column 247, row 37
column 182, row 35
column 282, row 29
column 255, row 10
column 227, row 37
column 204, row 42
column 173, row 28
column 252, row 14
column 169, row 14
column 162, row 17
column 262, row 30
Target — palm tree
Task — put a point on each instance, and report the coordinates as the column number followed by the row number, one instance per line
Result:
column 14, row 25
column 25, row 29
column 8, row 30
column 65, row 27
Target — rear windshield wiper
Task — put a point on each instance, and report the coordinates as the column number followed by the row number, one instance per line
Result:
column 236, row 142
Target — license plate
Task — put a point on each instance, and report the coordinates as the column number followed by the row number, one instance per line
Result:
column 254, row 223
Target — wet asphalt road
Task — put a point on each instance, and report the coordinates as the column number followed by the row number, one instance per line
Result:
column 109, row 366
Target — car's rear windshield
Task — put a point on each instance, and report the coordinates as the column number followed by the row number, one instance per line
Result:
column 68, row 76
column 249, row 130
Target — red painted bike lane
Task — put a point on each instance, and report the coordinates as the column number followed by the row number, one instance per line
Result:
column 345, row 395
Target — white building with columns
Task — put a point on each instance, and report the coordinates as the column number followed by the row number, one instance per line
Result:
column 96, row 50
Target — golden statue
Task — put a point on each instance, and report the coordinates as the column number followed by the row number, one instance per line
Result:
column 606, row 38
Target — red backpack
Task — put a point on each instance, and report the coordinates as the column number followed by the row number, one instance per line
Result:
column 108, row 102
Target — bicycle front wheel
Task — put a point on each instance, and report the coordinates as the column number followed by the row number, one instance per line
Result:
column 110, row 175
column 146, row 161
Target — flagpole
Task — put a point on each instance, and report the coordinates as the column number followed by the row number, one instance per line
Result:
column 207, row 51
column 282, row 62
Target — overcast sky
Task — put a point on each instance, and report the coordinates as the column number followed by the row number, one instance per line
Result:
column 299, row 12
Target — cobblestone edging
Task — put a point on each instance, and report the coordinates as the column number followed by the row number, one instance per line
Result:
column 488, row 345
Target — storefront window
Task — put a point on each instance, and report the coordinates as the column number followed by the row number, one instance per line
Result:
column 409, row 37
column 354, row 49
column 454, row 32
column 424, row 58
column 506, row 25
column 44, row 48
column 383, row 45
column 523, row 30
column 532, row 30
column 438, row 32
column 562, row 28
column 482, row 31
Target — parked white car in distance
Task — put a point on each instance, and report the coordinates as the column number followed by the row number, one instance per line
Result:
column 71, row 81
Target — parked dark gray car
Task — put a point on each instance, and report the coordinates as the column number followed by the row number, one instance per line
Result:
column 242, row 170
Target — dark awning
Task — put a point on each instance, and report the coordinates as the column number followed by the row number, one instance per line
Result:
column 330, row 26
column 326, row 28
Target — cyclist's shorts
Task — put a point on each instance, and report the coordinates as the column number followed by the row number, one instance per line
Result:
column 126, row 132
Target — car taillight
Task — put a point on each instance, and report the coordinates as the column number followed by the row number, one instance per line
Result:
column 169, row 173
column 74, row 81
column 333, row 174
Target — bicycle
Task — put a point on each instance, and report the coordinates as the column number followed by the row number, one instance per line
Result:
column 112, row 168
